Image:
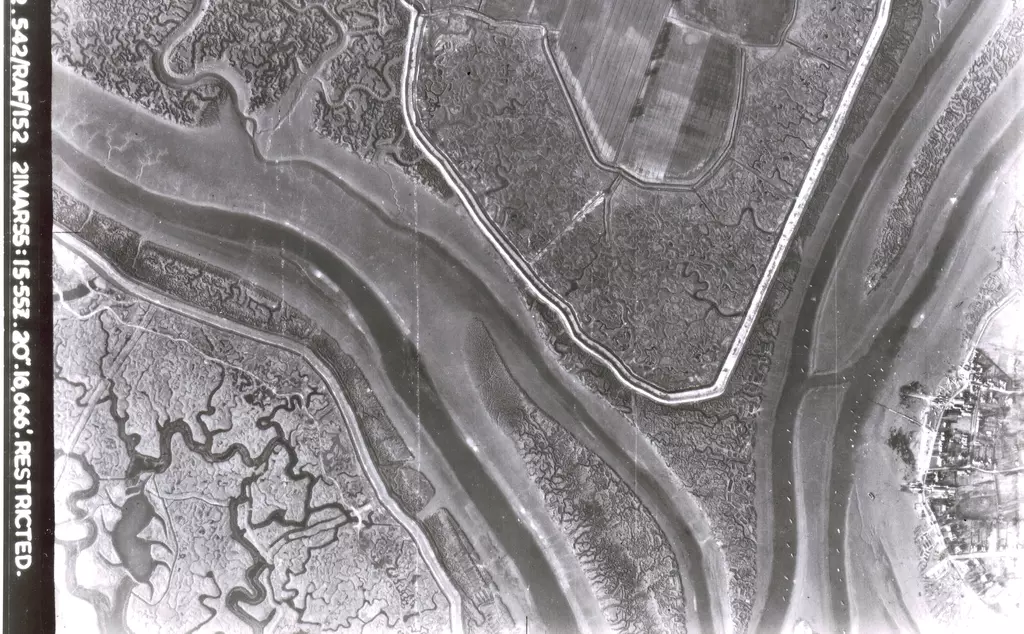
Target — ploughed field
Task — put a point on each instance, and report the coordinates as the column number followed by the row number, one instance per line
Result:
column 636, row 162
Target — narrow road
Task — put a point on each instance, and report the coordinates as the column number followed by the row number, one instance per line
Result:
column 565, row 311
column 385, row 253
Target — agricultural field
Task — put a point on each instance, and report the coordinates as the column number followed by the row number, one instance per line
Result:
column 755, row 22
column 656, row 96
column 603, row 51
column 682, row 121
column 539, row 111
column 505, row 316
column 547, row 13
column 557, row 132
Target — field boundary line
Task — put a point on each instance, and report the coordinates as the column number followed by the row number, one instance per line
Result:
column 565, row 312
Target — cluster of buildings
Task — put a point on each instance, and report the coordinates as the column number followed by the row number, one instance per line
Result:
column 972, row 487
